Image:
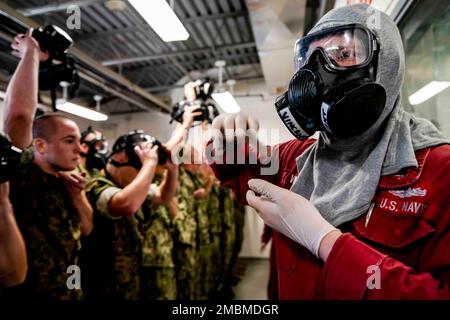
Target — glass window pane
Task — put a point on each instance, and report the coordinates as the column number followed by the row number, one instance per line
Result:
column 428, row 68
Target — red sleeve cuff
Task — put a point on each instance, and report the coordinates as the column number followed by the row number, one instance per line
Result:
column 346, row 271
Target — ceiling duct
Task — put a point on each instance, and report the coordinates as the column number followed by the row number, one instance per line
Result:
column 276, row 25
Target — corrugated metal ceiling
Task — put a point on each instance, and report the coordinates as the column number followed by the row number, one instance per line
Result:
column 123, row 41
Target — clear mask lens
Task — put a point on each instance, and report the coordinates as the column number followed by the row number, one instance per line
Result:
column 342, row 47
column 101, row 146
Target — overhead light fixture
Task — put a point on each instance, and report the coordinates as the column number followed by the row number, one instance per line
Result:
column 226, row 102
column 225, row 99
column 115, row 5
column 80, row 111
column 69, row 107
column 160, row 16
column 427, row 92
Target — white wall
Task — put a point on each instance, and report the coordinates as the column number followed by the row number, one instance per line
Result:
column 253, row 229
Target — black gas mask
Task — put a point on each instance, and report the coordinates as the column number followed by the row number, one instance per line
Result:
column 96, row 155
column 127, row 142
column 334, row 89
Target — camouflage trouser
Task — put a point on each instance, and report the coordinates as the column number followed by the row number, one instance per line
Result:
column 204, row 283
column 126, row 283
column 215, row 231
column 158, row 283
column 205, row 272
column 217, row 268
column 186, row 271
column 239, row 218
column 228, row 229
column 185, row 256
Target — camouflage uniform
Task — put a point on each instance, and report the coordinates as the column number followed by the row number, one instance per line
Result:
column 239, row 218
column 185, row 236
column 84, row 253
column 233, row 223
column 158, row 273
column 228, row 226
column 215, row 229
column 51, row 229
column 114, row 247
column 204, row 253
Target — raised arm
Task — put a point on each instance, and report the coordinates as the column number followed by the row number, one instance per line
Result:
column 21, row 95
column 179, row 135
column 127, row 201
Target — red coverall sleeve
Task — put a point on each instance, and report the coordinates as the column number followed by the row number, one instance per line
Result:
column 353, row 267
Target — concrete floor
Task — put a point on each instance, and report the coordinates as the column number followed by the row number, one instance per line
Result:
column 253, row 285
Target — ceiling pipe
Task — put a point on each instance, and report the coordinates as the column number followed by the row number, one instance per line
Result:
column 92, row 65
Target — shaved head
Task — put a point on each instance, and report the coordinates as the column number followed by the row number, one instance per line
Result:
column 56, row 142
column 45, row 126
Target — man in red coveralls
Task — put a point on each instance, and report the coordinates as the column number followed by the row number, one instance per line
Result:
column 368, row 213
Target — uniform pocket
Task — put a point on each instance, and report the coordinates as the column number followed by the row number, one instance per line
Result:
column 393, row 229
column 185, row 229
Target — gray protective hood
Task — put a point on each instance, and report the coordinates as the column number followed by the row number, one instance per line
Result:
column 340, row 176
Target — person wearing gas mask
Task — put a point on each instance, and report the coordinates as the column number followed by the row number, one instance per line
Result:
column 94, row 152
column 158, row 277
column 13, row 256
column 49, row 203
column 122, row 200
column 367, row 215
column 190, row 223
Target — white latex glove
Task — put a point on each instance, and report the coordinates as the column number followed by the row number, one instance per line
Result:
column 289, row 213
column 230, row 126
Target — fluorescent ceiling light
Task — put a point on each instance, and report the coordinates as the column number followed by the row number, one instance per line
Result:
column 429, row 91
column 226, row 102
column 80, row 111
column 160, row 16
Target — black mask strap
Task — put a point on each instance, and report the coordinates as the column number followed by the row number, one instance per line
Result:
column 125, row 164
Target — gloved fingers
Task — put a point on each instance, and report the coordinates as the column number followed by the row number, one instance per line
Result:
column 216, row 134
column 266, row 154
column 253, row 124
column 241, row 122
column 265, row 188
column 263, row 205
column 217, row 124
column 252, row 199
column 229, row 129
column 240, row 128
